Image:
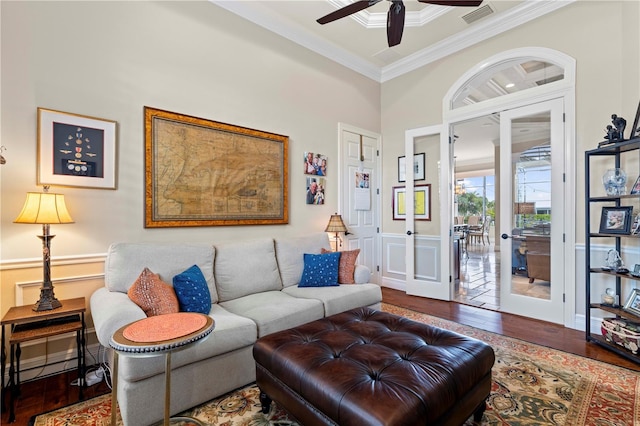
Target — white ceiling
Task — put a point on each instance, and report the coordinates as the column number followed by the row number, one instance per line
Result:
column 359, row 41
column 431, row 32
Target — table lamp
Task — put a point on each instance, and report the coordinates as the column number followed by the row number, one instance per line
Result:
column 45, row 208
column 336, row 225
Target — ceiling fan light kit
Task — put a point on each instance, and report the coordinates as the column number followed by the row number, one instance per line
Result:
column 395, row 16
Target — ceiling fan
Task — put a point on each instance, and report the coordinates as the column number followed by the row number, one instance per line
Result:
column 395, row 16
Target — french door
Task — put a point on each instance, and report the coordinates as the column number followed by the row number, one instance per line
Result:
column 427, row 260
column 532, row 219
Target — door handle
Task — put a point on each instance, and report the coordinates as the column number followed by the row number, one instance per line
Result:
column 411, row 233
column 505, row 236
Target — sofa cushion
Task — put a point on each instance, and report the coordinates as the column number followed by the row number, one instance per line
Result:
column 192, row 291
column 154, row 296
column 320, row 270
column 347, row 266
column 274, row 311
column 231, row 332
column 290, row 251
column 341, row 298
column 245, row 268
column 125, row 261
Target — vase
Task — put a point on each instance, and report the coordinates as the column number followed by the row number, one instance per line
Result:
column 615, row 182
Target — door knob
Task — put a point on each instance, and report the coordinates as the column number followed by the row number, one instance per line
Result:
column 505, row 236
column 411, row 233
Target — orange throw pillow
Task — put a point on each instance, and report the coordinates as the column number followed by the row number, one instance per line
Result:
column 347, row 265
column 153, row 295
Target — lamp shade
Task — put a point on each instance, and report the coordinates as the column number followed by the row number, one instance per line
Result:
column 336, row 224
column 44, row 208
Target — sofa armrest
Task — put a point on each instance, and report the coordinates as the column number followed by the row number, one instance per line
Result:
column 361, row 274
column 111, row 310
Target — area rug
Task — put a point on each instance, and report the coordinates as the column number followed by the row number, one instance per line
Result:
column 532, row 385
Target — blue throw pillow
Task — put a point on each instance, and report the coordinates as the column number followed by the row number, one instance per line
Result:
column 192, row 291
column 320, row 270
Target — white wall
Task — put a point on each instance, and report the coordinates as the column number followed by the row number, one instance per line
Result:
column 110, row 59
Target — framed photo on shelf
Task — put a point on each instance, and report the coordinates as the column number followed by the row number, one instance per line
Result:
column 635, row 129
column 635, row 189
column 616, row 220
column 76, row 150
column 635, row 227
column 418, row 167
column 633, row 302
column 421, row 202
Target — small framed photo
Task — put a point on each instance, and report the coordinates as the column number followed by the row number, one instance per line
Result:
column 635, row 189
column 76, row 150
column 418, row 167
column 616, row 220
column 633, row 302
column 635, row 227
column 421, row 202
column 636, row 268
column 635, row 129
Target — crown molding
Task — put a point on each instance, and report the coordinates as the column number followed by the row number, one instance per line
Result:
column 490, row 27
column 254, row 12
column 480, row 31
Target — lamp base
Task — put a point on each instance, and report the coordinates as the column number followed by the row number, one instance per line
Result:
column 47, row 300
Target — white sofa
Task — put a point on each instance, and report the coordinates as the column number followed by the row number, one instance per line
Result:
column 254, row 292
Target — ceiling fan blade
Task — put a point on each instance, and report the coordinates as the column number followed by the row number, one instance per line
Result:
column 354, row 7
column 395, row 23
column 468, row 3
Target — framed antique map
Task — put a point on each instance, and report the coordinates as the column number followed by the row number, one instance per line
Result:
column 200, row 172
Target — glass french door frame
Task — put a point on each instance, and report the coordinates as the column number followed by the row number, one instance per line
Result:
column 432, row 288
column 551, row 309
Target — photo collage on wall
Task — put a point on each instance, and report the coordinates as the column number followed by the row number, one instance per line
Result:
column 315, row 167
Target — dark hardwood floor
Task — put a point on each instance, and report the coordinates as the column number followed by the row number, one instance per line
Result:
column 53, row 392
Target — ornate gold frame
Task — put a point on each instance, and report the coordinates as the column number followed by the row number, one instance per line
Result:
column 200, row 172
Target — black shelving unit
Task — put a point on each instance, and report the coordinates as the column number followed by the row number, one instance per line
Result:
column 615, row 153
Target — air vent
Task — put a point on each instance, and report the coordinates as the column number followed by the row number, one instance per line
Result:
column 478, row 13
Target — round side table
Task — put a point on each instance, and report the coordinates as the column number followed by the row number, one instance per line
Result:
column 157, row 335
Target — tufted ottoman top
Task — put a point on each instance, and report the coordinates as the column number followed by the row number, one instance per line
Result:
column 374, row 366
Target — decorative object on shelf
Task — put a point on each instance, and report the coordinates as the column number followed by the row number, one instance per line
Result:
column 633, row 302
column 622, row 332
column 635, row 228
column 636, row 270
column 615, row 182
column 610, row 298
column 76, row 150
column 336, row 225
column 2, row 159
column 616, row 220
column 45, row 208
column 635, row 130
column 619, row 123
column 613, row 262
column 418, row 167
column 635, row 189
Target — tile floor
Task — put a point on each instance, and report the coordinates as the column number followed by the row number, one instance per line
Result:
column 480, row 279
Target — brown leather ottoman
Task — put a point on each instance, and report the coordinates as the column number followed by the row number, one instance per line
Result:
column 366, row 368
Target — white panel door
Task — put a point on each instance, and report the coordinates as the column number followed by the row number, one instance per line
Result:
column 360, row 157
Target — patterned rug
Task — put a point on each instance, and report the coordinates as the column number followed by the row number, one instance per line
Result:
column 532, row 385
